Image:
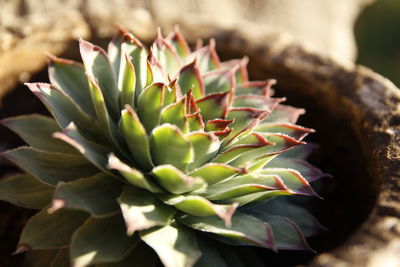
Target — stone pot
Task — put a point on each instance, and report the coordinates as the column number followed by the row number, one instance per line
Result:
column 356, row 113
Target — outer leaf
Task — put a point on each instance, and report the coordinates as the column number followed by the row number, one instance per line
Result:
column 199, row 206
column 213, row 173
column 292, row 179
column 244, row 185
column 84, row 194
column 207, row 58
column 175, row 114
column 169, row 146
column 39, row 231
column 286, row 233
column 292, row 130
column 50, row 167
column 141, row 256
column 166, row 55
column 142, row 210
column 25, row 191
column 210, row 256
column 127, row 82
column 69, row 76
column 205, row 146
column 136, row 138
column 63, row 109
column 177, row 42
column 132, row 175
column 95, row 153
column 101, row 241
column 37, row 131
column 219, row 81
column 149, row 105
column 245, row 228
column 255, row 88
column 175, row 245
column 284, row 113
column 308, row 171
column 175, row 181
column 190, row 79
column 98, row 66
column 214, row 106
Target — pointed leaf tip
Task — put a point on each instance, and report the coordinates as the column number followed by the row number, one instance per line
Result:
column 21, row 248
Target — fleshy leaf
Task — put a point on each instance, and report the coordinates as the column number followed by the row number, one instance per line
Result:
column 244, row 185
column 190, row 79
column 95, row 153
column 245, row 228
column 175, row 245
column 292, row 130
column 84, row 193
column 98, row 66
column 200, row 206
column 207, row 57
column 286, row 233
column 149, row 105
column 39, row 231
column 142, row 210
column 255, row 101
column 101, row 241
column 214, row 106
column 217, row 125
column 166, row 55
column 127, row 83
column 175, row 181
column 308, row 171
column 175, row 114
column 168, row 145
column 255, row 88
column 205, row 147
column 213, row 173
column 136, row 138
column 219, row 81
column 50, row 167
column 62, row 258
column 69, row 76
column 133, row 176
column 63, row 109
column 37, row 130
column 176, row 40
column 210, row 256
column 25, row 191
column 284, row 113
column 292, row 179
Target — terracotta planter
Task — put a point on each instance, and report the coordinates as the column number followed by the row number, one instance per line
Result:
column 357, row 117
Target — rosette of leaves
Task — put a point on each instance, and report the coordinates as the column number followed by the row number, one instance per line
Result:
column 162, row 155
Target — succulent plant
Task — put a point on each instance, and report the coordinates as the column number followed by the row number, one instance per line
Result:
column 168, row 155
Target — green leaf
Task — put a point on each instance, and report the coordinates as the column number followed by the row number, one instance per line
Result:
column 210, row 256
column 37, row 131
column 190, row 79
column 50, row 167
column 178, row 43
column 168, row 145
column 101, row 241
column 63, row 109
column 217, row 125
column 213, row 173
column 175, row 181
column 175, row 114
column 214, row 106
column 166, row 55
column 219, row 81
column 284, row 114
column 69, row 76
column 199, row 206
column 300, row 152
column 95, row 153
column 244, row 185
column 175, row 245
column 25, row 191
column 207, row 58
column 255, row 101
column 98, row 66
column 133, row 176
column 127, row 83
column 308, row 224
column 286, row 233
column 254, row 88
column 245, row 228
column 141, row 210
column 141, row 256
column 205, row 146
column 308, row 171
column 95, row 195
column 295, row 131
column 114, row 51
column 136, row 138
column 150, row 104
column 49, row 231
column 292, row 179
